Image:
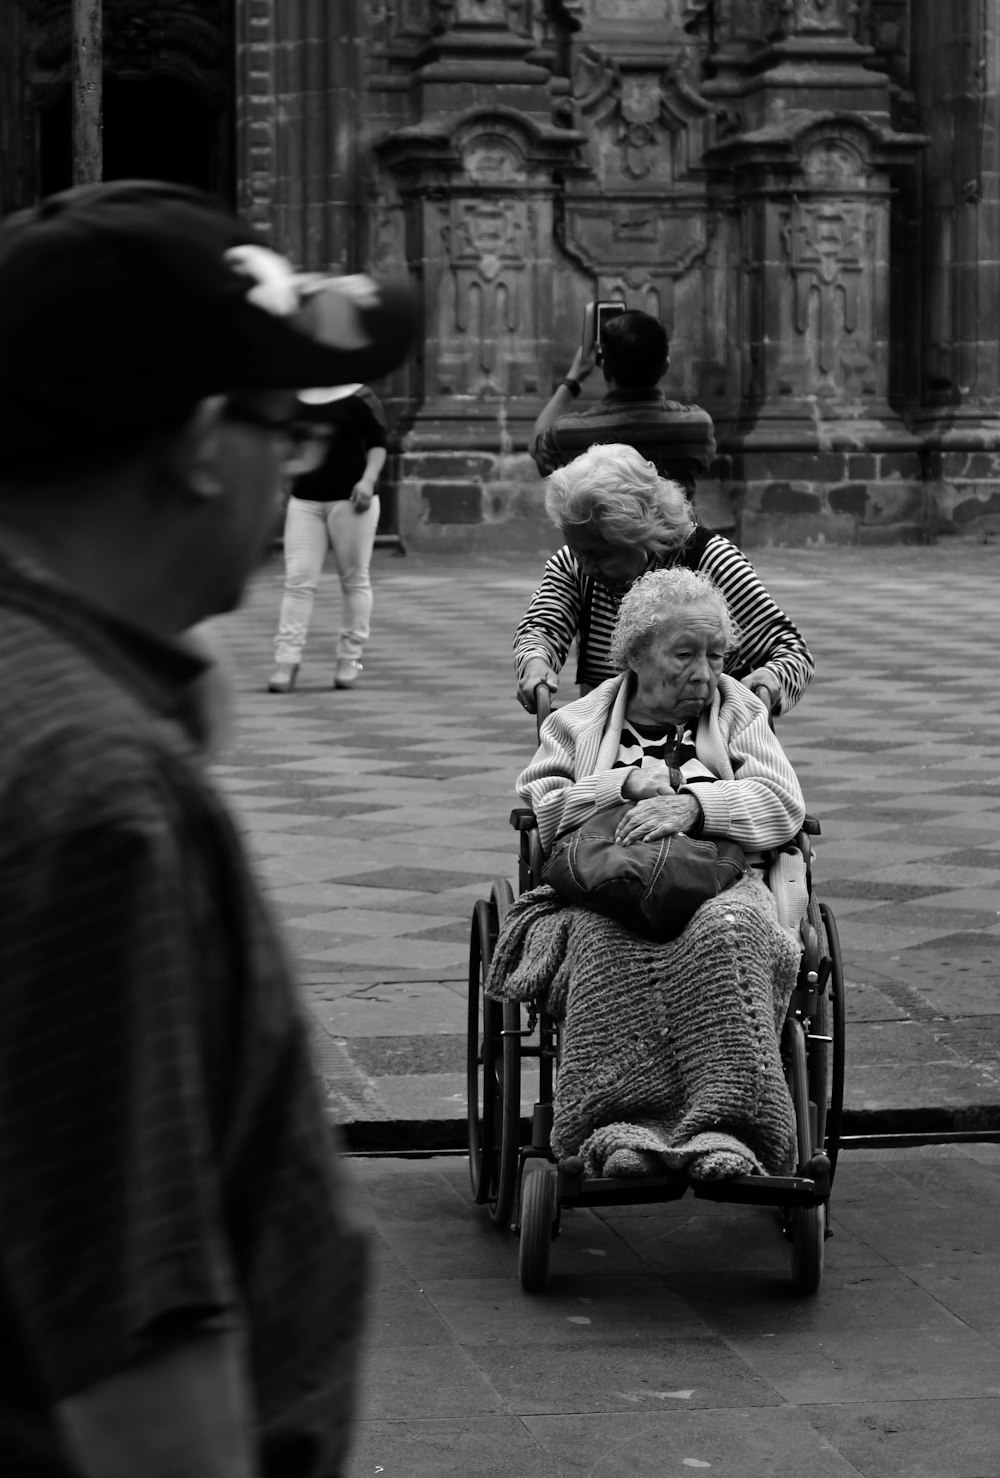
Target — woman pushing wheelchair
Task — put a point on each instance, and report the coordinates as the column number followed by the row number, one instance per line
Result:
column 671, row 1055
column 620, row 518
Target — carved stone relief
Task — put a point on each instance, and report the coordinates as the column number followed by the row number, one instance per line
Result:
column 443, row 14
column 641, row 119
column 810, row 17
column 185, row 38
column 828, row 245
column 634, row 239
column 485, row 315
column 736, row 22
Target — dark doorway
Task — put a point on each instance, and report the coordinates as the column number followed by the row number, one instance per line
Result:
column 154, row 128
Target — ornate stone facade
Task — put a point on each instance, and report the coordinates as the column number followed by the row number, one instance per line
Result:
column 806, row 191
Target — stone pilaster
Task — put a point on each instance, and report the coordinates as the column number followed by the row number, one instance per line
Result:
column 957, row 82
column 299, row 65
column 472, row 170
column 818, row 451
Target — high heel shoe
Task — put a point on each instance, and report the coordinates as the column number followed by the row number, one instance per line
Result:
column 282, row 679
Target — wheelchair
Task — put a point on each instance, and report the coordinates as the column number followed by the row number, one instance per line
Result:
column 513, row 1170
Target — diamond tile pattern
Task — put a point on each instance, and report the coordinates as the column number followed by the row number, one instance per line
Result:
column 379, row 815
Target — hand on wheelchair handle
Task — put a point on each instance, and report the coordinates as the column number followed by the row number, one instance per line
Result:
column 763, row 686
column 537, row 674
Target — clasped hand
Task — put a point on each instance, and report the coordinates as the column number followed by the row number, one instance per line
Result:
column 658, row 811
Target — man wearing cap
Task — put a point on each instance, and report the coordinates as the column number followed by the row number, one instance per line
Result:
column 634, row 356
column 180, row 1278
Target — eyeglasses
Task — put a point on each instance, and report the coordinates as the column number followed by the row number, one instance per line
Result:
column 305, row 439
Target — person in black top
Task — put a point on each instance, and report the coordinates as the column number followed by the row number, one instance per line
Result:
column 333, row 505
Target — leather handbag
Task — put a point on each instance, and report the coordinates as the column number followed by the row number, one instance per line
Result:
column 653, row 888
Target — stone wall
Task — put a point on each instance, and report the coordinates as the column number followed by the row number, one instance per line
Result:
column 759, row 173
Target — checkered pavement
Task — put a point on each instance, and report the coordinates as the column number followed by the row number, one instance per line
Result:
column 379, row 815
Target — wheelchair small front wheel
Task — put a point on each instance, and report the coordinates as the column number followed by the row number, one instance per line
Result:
column 538, row 1218
column 807, row 1231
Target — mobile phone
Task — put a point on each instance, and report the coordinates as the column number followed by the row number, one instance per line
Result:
column 595, row 317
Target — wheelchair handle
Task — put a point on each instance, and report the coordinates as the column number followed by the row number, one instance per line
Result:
column 543, row 705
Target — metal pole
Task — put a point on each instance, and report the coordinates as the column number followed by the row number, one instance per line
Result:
column 86, row 82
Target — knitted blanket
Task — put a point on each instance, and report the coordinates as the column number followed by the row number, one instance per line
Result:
column 670, row 1055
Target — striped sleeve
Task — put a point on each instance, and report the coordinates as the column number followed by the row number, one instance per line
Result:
column 769, row 638
column 552, row 619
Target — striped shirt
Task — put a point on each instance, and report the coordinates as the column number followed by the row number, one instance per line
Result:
column 679, row 439
column 645, row 747
column 570, row 604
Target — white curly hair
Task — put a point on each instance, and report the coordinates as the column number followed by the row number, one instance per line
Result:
column 656, row 603
column 614, row 489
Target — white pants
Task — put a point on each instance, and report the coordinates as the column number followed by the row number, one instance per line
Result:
column 311, row 529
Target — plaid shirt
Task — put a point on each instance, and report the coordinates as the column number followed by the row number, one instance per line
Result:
column 163, row 1151
column 680, row 439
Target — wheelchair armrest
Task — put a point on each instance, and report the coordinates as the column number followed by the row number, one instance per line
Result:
column 522, row 818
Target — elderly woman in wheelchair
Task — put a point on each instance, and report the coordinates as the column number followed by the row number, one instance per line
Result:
column 672, row 1056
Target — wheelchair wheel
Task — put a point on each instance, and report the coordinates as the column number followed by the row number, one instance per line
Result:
column 805, row 1226
column 835, row 1027
column 492, row 1068
column 825, row 1051
column 807, row 1230
column 538, row 1215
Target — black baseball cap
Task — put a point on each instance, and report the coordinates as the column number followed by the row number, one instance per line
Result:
column 125, row 302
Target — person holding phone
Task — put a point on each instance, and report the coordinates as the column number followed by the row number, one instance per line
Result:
column 632, row 350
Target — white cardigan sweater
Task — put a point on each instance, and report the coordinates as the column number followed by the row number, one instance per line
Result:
column 756, row 800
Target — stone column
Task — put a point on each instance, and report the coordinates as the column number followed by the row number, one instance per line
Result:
column 473, row 172
column 818, row 450
column 299, row 77
column 956, row 73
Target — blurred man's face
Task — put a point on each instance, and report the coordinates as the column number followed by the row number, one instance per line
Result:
column 255, row 440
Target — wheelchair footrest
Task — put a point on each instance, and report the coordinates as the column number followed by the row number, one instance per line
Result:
column 624, row 1190
column 763, row 1190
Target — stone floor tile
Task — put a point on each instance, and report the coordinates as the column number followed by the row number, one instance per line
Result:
column 537, row 1380
column 773, row 1442
column 396, row 952
column 370, row 923
column 389, row 1008
column 468, row 1447
column 413, row 1381
column 831, row 1367
column 575, row 1309
column 907, row 1230
column 937, row 1437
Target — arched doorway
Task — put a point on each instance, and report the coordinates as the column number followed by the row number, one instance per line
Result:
column 167, row 98
column 154, row 128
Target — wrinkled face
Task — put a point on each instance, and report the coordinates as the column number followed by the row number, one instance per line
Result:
column 616, row 565
column 678, row 674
